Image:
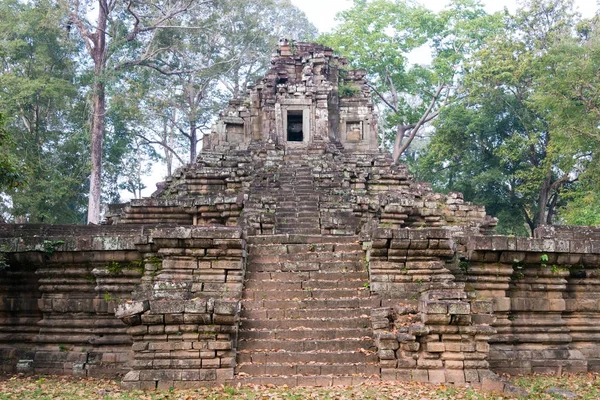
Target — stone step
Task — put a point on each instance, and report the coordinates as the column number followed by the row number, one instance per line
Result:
column 306, row 255
column 266, row 240
column 324, row 266
column 295, row 358
column 309, row 276
column 257, row 284
column 303, row 313
column 299, row 201
column 303, row 294
column 306, row 334
column 305, row 380
column 312, row 368
column 356, row 302
column 315, row 220
column 348, row 344
column 329, row 323
column 295, row 225
column 315, row 248
column 298, row 231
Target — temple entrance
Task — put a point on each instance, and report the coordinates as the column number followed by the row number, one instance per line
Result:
column 295, row 126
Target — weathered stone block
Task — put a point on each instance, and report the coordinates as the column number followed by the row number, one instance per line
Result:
column 436, row 319
column 131, row 308
column 455, row 376
column 434, row 307
column 224, row 307
column 435, row 347
column 167, row 306
column 437, row 376
column 461, row 308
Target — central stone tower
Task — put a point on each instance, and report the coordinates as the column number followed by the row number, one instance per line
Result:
column 307, row 99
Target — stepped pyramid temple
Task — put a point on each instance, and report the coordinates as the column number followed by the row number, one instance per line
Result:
column 293, row 252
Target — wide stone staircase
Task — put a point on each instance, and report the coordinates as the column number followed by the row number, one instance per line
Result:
column 305, row 317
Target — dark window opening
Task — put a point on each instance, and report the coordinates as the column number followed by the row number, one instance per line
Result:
column 294, row 126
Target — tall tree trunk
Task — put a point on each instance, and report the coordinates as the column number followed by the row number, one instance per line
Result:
column 96, row 46
column 97, row 134
column 543, row 200
column 400, row 131
column 168, row 141
column 193, row 141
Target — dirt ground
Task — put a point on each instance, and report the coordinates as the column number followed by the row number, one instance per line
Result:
column 539, row 387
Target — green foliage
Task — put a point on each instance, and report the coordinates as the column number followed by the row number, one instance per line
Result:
column 234, row 47
column 10, row 171
column 380, row 37
column 50, row 246
column 3, row 261
column 348, row 90
column 513, row 142
column 114, row 268
column 464, row 266
column 108, row 297
column 582, row 201
column 47, row 82
column 43, row 166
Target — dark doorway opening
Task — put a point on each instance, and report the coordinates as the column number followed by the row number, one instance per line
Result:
column 294, row 126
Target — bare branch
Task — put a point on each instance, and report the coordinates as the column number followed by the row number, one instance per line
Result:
column 427, row 116
column 166, row 15
column 86, row 34
column 382, row 98
column 184, row 133
column 164, row 145
column 388, row 77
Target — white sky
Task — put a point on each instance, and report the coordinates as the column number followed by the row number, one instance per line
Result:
column 322, row 13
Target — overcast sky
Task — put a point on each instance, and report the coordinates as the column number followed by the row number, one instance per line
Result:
column 322, row 12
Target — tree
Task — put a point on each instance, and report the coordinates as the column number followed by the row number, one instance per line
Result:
column 232, row 49
column 10, row 175
column 250, row 31
column 381, row 37
column 122, row 36
column 39, row 96
column 515, row 142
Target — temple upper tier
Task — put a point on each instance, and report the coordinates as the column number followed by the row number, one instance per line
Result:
column 307, row 98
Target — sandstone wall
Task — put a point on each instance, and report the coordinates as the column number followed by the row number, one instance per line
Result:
column 545, row 295
column 430, row 329
column 58, row 293
column 177, row 292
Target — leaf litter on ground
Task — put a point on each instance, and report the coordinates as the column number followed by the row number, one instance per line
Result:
column 586, row 386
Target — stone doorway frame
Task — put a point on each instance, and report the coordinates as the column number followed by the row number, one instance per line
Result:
column 281, row 115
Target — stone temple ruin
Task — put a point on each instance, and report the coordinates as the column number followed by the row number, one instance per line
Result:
column 293, row 252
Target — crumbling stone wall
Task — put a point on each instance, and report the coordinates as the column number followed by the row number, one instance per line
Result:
column 430, row 330
column 58, row 292
column 544, row 291
column 175, row 290
column 184, row 317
